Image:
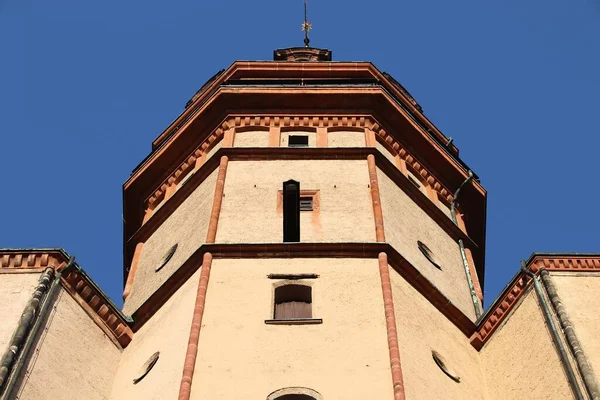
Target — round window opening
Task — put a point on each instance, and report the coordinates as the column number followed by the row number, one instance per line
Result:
column 441, row 362
column 148, row 365
column 428, row 254
column 166, row 258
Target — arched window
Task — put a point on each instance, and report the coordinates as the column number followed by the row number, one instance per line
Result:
column 295, row 393
column 293, row 302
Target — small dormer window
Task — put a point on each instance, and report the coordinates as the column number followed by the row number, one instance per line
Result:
column 298, row 141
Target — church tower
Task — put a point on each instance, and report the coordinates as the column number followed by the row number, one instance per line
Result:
column 301, row 210
column 300, row 232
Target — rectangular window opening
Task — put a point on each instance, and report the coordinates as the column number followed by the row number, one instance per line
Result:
column 291, row 211
column 306, row 203
column 293, row 302
column 298, row 141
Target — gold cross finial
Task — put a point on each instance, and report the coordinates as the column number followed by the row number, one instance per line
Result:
column 306, row 26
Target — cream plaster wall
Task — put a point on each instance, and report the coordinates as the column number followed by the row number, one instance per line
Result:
column 249, row 211
column 214, row 149
column 15, row 291
column 251, row 139
column 421, row 329
column 520, row 360
column 74, row 358
column 346, row 139
column 385, row 152
column 580, row 295
column 312, row 137
column 166, row 332
column 187, row 226
column 405, row 223
column 241, row 357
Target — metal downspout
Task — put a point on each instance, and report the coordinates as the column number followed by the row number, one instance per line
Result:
column 463, row 254
column 587, row 374
column 30, row 338
column 555, row 335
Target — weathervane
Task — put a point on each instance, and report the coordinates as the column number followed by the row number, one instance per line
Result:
column 306, row 26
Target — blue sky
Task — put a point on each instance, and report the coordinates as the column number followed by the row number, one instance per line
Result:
column 86, row 86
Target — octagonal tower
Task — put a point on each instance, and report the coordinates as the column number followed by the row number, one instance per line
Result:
column 286, row 225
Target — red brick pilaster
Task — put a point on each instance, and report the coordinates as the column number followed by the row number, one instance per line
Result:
column 370, row 138
column 322, row 140
column 228, row 137
column 133, row 269
column 185, row 389
column 379, row 232
column 275, row 137
column 218, row 200
column 390, row 321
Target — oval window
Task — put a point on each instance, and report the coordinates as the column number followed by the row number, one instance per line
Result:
column 168, row 255
column 146, row 367
column 441, row 362
column 428, row 254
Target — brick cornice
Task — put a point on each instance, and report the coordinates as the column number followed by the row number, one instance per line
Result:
column 28, row 259
column 94, row 302
column 307, row 70
column 500, row 310
column 565, row 262
column 295, row 121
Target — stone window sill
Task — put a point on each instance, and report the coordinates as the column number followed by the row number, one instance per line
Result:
column 294, row 321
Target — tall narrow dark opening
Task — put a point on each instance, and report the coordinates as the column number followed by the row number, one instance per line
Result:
column 291, row 211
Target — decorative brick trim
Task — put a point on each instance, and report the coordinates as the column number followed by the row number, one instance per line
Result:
column 274, row 137
column 185, row 389
column 83, row 290
column 158, row 217
column 377, row 211
column 217, row 201
column 28, row 259
column 187, row 166
column 100, row 308
column 498, row 312
column 322, row 137
column 228, row 137
column 566, row 263
column 240, row 70
column 274, row 123
column 133, row 269
column 410, row 160
column 390, row 321
column 502, row 307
